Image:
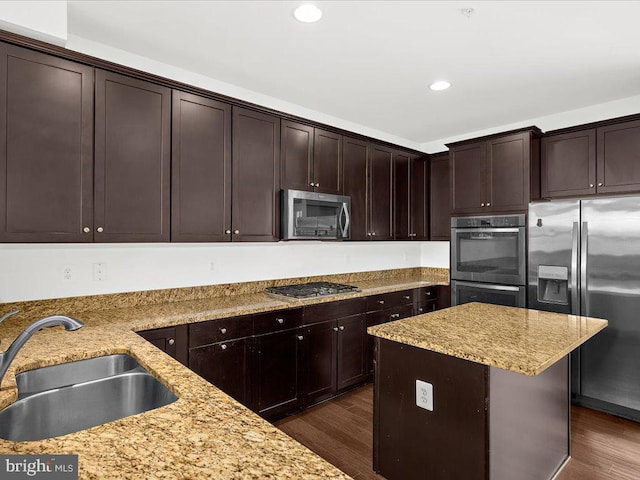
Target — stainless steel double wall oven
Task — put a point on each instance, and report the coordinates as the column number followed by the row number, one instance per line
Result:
column 488, row 260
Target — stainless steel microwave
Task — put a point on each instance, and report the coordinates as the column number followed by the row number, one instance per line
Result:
column 314, row 216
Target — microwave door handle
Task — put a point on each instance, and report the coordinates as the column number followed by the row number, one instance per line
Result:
column 344, row 211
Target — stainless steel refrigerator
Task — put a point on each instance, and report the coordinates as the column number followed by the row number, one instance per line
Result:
column 584, row 258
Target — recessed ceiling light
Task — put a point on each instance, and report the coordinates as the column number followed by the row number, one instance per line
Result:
column 439, row 85
column 307, row 13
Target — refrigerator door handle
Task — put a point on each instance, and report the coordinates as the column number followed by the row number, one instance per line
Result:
column 575, row 310
column 584, row 250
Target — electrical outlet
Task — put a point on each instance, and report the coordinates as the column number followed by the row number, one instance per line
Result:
column 99, row 272
column 66, row 273
column 424, row 395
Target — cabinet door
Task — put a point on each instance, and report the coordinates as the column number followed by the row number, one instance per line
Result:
column 46, row 148
column 351, row 350
column 568, row 164
column 355, row 156
column 440, row 216
column 619, row 158
column 320, row 348
column 256, row 185
column 381, row 190
column 507, row 168
column 402, row 196
column 132, row 158
column 225, row 365
column 201, row 169
column 171, row 340
column 278, row 373
column 327, row 162
column 296, row 156
column 420, row 199
column 467, row 178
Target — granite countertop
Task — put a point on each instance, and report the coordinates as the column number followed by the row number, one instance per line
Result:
column 515, row 339
column 205, row 433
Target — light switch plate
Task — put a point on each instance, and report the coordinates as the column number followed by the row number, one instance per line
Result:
column 424, row 395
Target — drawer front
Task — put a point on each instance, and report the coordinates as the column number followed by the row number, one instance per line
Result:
column 426, row 294
column 322, row 312
column 220, row 330
column 389, row 315
column 426, row 307
column 270, row 322
column 388, row 300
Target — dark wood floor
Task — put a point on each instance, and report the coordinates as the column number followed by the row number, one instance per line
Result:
column 603, row 446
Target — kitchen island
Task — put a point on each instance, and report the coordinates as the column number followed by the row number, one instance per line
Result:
column 475, row 391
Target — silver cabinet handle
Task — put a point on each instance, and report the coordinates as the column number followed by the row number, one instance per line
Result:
column 488, row 204
column 237, row 232
column 335, row 329
column 482, row 204
column 223, row 346
column 317, row 184
column 100, row 229
column 312, row 184
column 395, row 315
column 223, row 331
column 171, row 341
column 280, row 320
column 407, row 297
column 86, row 229
column 341, row 327
column 381, row 302
column 373, row 233
column 300, row 337
column 591, row 185
column 369, row 234
column 600, row 184
column 421, row 309
column 429, row 293
column 228, row 232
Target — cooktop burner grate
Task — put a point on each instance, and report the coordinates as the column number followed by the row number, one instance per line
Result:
column 312, row 289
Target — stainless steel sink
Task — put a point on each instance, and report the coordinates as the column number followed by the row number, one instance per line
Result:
column 65, row 374
column 79, row 405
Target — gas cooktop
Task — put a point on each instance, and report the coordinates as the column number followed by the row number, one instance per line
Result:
column 312, row 289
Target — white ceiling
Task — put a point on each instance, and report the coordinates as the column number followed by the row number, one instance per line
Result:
column 370, row 62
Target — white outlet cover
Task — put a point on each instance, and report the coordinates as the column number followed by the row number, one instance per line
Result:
column 424, row 395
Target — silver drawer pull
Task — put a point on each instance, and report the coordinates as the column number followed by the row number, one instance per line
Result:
column 381, row 302
column 300, row 337
column 395, row 315
column 341, row 327
column 280, row 320
column 335, row 329
column 407, row 297
column 171, row 341
column 223, row 331
column 223, row 346
column 429, row 293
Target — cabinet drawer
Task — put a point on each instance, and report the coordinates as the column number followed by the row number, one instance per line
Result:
column 426, row 294
column 388, row 300
column 269, row 322
column 321, row 312
column 426, row 307
column 213, row 331
column 389, row 315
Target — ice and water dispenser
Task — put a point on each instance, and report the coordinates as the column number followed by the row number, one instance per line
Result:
column 553, row 284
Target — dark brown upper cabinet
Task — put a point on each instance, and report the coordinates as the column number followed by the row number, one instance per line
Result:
column 497, row 175
column 132, row 160
column 310, row 159
column 411, row 197
column 618, row 158
column 381, row 193
column 255, row 178
column 355, row 160
column 568, row 164
column 201, row 169
column 440, row 216
column 46, row 148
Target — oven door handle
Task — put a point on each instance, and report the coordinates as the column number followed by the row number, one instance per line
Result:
column 488, row 230
column 486, row 286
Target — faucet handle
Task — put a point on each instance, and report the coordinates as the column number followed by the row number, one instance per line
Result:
column 7, row 315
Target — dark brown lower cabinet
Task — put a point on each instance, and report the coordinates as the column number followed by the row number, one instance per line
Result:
column 278, row 373
column 376, row 318
column 351, row 351
column 227, row 366
column 171, row 340
column 320, row 347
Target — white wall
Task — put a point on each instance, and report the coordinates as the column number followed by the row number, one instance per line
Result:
column 29, row 272
column 43, row 20
column 593, row 113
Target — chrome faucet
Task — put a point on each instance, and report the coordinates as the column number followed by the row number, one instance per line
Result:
column 7, row 357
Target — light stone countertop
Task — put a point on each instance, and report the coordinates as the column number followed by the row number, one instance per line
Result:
column 205, row 433
column 516, row 339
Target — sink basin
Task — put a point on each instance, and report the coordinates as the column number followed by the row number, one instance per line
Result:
column 82, row 404
column 65, row 374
